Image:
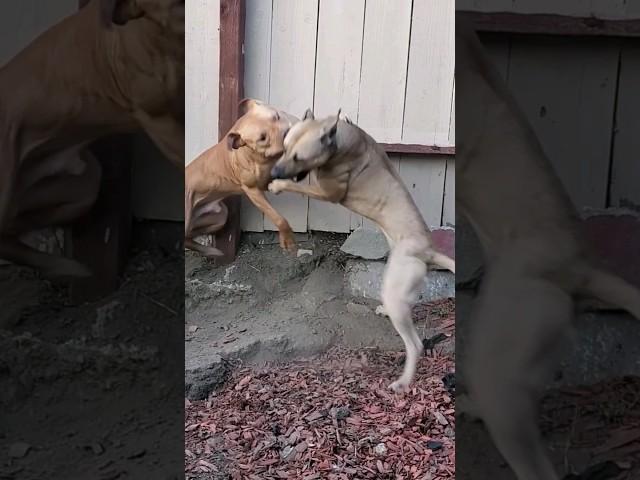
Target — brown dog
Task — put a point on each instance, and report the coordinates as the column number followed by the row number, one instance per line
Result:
column 240, row 163
column 115, row 66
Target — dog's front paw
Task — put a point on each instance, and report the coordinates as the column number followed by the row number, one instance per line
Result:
column 288, row 243
column 277, row 186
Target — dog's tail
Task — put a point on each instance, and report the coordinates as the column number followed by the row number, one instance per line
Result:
column 440, row 259
column 612, row 290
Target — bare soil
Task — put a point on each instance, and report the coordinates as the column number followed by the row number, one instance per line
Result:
column 89, row 391
column 269, row 305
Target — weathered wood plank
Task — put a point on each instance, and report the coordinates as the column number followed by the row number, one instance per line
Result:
column 611, row 9
column 449, row 201
column 231, row 91
column 567, row 92
column 337, row 85
column 429, row 89
column 257, row 61
column 498, row 48
column 202, row 68
column 417, row 149
column 293, row 48
column 547, row 24
column 101, row 240
column 625, row 175
column 452, row 125
column 384, row 68
column 425, row 181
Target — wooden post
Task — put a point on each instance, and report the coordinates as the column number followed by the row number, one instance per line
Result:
column 101, row 240
column 231, row 88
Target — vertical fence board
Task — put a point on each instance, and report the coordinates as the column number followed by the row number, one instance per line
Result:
column 384, row 68
column 425, row 178
column 336, row 86
column 202, row 69
column 497, row 48
column 427, row 109
column 568, row 92
column 625, row 177
column 449, row 200
column 293, row 45
column 452, row 125
column 257, row 66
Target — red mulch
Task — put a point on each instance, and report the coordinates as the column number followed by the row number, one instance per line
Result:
column 329, row 417
column 601, row 419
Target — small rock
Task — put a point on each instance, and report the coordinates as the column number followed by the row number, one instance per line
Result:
column 440, row 418
column 97, row 448
column 228, row 272
column 287, row 452
column 449, row 382
column 303, row 251
column 19, row 450
column 366, row 243
column 380, row 449
column 358, row 309
column 193, row 329
column 137, row 454
column 434, row 445
column 340, row 413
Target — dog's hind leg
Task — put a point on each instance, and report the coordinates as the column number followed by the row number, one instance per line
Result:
column 207, row 251
column 403, row 276
column 53, row 266
column 518, row 329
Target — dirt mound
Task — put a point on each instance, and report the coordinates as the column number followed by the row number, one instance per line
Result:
column 114, row 365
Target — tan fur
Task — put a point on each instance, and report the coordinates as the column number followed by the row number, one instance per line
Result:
column 536, row 264
column 348, row 167
column 83, row 79
column 240, row 163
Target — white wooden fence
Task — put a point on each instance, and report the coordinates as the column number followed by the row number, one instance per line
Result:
column 580, row 96
column 363, row 56
column 359, row 55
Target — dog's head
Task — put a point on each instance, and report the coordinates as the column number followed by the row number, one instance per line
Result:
column 308, row 145
column 169, row 14
column 261, row 128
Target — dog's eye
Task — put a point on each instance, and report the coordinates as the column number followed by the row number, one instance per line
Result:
column 295, row 157
column 263, row 137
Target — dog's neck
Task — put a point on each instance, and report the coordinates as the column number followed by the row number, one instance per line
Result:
column 370, row 171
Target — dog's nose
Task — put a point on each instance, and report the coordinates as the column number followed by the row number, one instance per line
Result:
column 276, row 173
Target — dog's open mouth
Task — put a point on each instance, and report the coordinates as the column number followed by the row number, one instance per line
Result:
column 301, row 176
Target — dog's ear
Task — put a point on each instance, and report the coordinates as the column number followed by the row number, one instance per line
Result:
column 308, row 115
column 329, row 136
column 247, row 104
column 119, row 12
column 235, row 141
